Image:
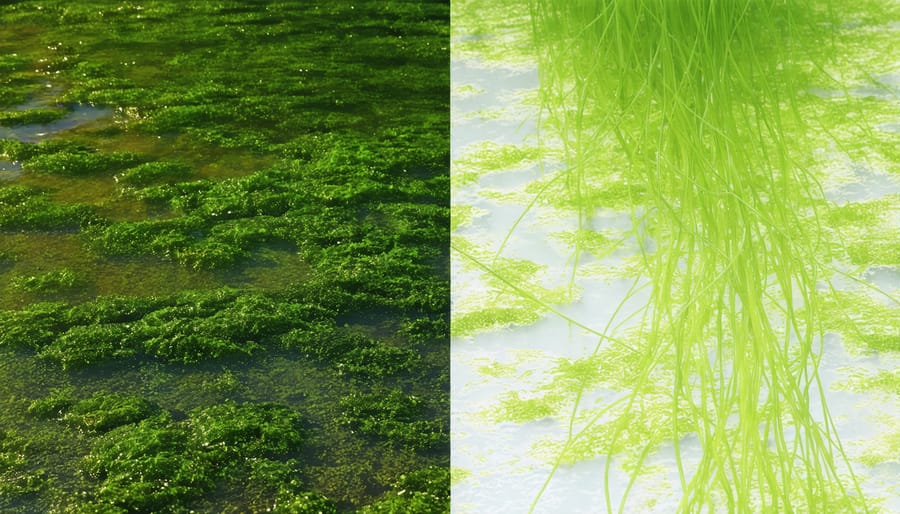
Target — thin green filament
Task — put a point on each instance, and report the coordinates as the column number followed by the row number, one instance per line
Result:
column 701, row 101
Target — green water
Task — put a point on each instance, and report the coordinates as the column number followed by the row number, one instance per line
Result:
column 223, row 265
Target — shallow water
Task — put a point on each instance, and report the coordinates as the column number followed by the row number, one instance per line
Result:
column 79, row 115
column 175, row 173
column 10, row 169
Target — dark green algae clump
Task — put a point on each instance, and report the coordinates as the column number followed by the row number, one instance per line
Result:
column 232, row 295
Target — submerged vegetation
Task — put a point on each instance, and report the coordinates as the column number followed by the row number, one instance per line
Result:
column 718, row 125
column 229, row 229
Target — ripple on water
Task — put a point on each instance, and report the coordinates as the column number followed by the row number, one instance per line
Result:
column 867, row 184
column 10, row 169
column 886, row 278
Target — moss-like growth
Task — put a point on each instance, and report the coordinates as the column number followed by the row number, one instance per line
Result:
column 217, row 172
column 105, row 411
column 50, row 282
column 228, row 433
column 84, row 345
column 80, row 163
column 394, row 416
column 33, row 327
column 19, row 151
column 305, row 503
column 378, row 360
column 52, row 406
column 16, row 479
column 152, row 172
column 427, row 330
column 24, row 208
column 425, row 491
column 348, row 351
column 31, row 116
column 162, row 465
column 187, row 328
column 146, row 467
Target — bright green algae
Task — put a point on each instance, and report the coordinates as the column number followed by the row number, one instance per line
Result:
column 585, row 95
column 205, row 293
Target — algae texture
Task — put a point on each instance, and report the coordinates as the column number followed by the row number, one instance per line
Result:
column 226, row 236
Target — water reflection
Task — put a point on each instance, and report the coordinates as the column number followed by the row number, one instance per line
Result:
column 37, row 132
column 10, row 169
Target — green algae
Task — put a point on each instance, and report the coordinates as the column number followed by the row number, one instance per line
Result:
column 31, row 116
column 80, row 162
column 27, row 208
column 482, row 158
column 151, row 172
column 425, row 490
column 393, row 415
column 516, row 297
column 50, row 282
column 312, row 178
column 865, row 323
column 881, row 449
column 512, row 407
column 601, row 177
column 494, row 32
column 882, row 381
column 16, row 480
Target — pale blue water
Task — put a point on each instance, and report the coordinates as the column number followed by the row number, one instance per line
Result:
column 34, row 133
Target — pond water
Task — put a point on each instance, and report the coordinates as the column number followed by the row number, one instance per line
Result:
column 223, row 230
column 77, row 116
column 10, row 169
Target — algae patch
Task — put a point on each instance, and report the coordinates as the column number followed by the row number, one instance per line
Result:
column 183, row 241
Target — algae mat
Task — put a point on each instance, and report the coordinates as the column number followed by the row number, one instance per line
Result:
column 223, row 256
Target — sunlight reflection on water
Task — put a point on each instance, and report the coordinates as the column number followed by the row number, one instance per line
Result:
column 37, row 132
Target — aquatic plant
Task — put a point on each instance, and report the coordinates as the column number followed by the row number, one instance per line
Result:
column 349, row 351
column 81, row 163
column 151, row 172
column 105, row 411
column 16, row 479
column 308, row 178
column 424, row 491
column 305, row 503
column 229, row 431
column 52, row 406
column 158, row 463
column 146, row 467
column 698, row 116
column 31, row 116
column 26, row 208
column 19, row 151
column 394, row 416
column 50, row 282
column 33, row 327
